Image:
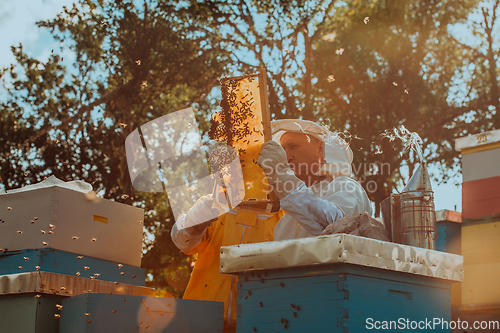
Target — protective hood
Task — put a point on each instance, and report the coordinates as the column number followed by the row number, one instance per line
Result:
column 337, row 153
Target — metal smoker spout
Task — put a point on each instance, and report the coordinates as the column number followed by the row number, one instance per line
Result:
column 418, row 215
column 420, row 180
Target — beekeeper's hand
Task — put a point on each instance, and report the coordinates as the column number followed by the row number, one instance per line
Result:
column 274, row 162
column 200, row 216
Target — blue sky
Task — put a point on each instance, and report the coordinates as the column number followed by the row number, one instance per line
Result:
column 17, row 25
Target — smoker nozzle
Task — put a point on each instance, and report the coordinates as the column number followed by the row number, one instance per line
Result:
column 420, row 180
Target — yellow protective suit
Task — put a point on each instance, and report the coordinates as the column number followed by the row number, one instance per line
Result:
column 233, row 227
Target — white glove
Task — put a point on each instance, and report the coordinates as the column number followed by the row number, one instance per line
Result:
column 274, row 162
column 200, row 216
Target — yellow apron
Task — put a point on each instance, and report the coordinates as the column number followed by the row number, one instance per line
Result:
column 206, row 282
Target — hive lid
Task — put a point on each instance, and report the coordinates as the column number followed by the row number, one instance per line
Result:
column 477, row 140
column 445, row 215
column 65, row 285
column 341, row 248
column 76, row 185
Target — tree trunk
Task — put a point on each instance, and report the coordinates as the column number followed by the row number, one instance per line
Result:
column 494, row 91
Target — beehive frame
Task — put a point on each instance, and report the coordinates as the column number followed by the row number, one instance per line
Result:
column 240, row 110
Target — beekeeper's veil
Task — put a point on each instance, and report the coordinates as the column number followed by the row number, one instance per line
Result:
column 337, row 153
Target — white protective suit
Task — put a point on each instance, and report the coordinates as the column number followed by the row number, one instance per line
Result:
column 310, row 210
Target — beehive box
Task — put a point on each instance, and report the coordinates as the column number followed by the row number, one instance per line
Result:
column 29, row 314
column 62, row 262
column 338, row 283
column 64, row 219
column 449, row 231
column 28, row 300
column 480, row 224
column 481, row 251
column 91, row 313
column 449, row 239
column 481, row 176
column 65, row 285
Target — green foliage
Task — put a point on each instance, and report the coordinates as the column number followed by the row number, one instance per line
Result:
column 393, row 70
column 359, row 66
column 366, row 67
column 132, row 65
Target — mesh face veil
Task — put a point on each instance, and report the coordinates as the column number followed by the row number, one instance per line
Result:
column 337, row 153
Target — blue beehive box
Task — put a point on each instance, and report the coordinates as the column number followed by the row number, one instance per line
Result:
column 95, row 248
column 29, row 314
column 449, row 227
column 92, row 313
column 449, row 239
column 30, row 301
column 340, row 283
column 62, row 262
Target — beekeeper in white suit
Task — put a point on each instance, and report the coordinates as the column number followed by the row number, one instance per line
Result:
column 310, row 172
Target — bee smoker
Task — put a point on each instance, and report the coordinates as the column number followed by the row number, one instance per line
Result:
column 411, row 213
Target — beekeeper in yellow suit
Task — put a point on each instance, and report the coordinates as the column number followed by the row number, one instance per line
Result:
column 203, row 230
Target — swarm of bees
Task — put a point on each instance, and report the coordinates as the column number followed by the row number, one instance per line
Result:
column 239, row 124
column 231, row 124
column 220, row 160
